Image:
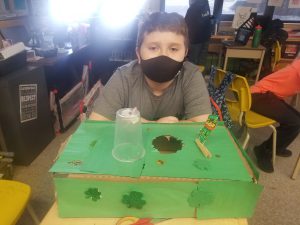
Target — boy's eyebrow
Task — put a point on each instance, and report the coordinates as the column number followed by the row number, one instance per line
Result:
column 153, row 42
column 171, row 43
column 175, row 43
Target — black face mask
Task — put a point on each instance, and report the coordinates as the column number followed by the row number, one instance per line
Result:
column 161, row 69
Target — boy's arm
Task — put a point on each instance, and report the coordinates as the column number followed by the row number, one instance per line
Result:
column 173, row 119
column 167, row 119
column 110, row 100
column 201, row 118
column 196, row 98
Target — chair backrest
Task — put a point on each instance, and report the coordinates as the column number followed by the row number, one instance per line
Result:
column 14, row 197
column 238, row 99
column 277, row 54
column 201, row 68
column 217, row 96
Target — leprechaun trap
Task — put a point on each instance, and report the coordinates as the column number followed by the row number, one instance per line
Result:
column 175, row 178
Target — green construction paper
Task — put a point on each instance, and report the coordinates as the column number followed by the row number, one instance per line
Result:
column 163, row 199
column 93, row 141
column 91, row 144
column 246, row 156
column 224, row 164
column 200, row 198
column 101, row 161
column 78, row 147
column 225, row 199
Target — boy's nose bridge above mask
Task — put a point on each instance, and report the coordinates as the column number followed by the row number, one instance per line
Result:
column 164, row 51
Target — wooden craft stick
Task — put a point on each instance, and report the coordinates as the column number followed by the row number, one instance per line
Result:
column 203, row 149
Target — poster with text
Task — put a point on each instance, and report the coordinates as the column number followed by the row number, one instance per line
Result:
column 28, row 102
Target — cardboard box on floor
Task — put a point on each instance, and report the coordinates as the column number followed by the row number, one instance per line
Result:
column 91, row 183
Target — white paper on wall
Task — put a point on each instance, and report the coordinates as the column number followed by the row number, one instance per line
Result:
column 241, row 15
column 294, row 4
column 277, row 3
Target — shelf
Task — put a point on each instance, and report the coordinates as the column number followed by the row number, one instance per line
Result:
column 293, row 39
column 286, row 60
column 14, row 21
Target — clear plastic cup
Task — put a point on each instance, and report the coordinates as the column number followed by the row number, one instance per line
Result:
column 128, row 143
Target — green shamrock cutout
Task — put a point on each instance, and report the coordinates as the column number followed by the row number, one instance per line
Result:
column 134, row 200
column 202, row 164
column 199, row 198
column 93, row 193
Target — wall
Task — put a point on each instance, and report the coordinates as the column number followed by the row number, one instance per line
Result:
column 152, row 5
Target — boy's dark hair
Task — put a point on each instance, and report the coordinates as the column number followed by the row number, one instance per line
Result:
column 162, row 21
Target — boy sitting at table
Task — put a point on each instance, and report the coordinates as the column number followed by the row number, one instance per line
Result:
column 160, row 83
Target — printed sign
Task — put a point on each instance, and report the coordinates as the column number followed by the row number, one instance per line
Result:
column 28, row 102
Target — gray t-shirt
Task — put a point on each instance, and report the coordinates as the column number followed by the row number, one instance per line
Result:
column 185, row 98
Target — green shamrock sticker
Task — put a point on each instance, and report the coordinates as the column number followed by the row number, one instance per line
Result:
column 93, row 193
column 134, row 200
column 202, row 164
column 199, row 198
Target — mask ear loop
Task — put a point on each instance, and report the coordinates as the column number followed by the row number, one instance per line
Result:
column 178, row 73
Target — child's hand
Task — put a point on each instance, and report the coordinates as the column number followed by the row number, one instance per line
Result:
column 168, row 119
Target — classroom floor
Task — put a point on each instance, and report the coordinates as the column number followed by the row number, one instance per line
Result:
column 279, row 203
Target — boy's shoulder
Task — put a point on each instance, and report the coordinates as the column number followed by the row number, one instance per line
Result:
column 191, row 73
column 128, row 66
column 190, row 68
column 130, row 71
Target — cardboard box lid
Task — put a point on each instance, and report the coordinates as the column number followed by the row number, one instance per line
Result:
column 89, row 152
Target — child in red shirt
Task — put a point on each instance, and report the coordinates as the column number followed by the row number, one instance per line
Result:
column 268, row 99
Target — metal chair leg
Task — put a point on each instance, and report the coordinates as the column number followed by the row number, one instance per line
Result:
column 246, row 140
column 296, row 169
column 274, row 144
column 32, row 214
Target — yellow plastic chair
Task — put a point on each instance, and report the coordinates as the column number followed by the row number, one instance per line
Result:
column 14, row 197
column 201, row 68
column 239, row 108
column 277, row 55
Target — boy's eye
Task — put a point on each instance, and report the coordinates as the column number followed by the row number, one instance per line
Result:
column 152, row 48
column 173, row 49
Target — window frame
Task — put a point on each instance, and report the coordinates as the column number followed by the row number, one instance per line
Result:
column 217, row 12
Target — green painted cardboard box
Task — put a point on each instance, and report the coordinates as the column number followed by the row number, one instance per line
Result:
column 91, row 183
